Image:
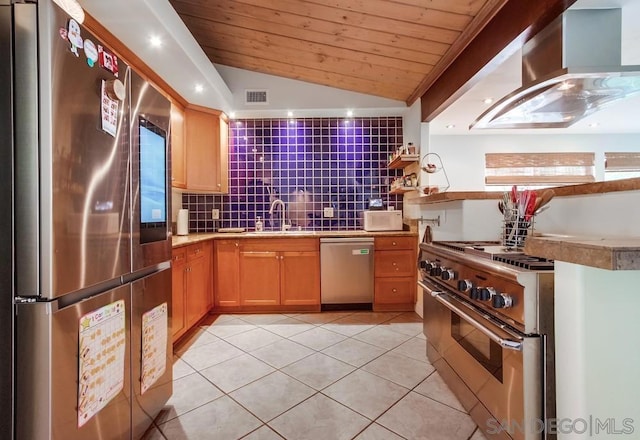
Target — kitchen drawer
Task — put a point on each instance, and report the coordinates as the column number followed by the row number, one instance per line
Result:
column 395, row 263
column 198, row 250
column 179, row 256
column 393, row 243
column 399, row 290
column 280, row 244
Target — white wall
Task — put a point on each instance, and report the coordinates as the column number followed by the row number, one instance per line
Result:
column 411, row 125
column 302, row 98
column 597, row 356
column 463, row 155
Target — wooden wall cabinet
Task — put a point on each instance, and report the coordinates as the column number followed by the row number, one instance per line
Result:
column 191, row 286
column 178, row 156
column 395, row 284
column 205, row 161
column 201, row 163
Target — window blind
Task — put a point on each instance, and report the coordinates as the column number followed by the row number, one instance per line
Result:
column 539, row 168
column 621, row 162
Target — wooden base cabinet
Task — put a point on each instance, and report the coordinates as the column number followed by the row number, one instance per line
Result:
column 300, row 278
column 178, row 289
column 267, row 275
column 395, row 273
column 227, row 274
column 191, row 286
column 259, row 278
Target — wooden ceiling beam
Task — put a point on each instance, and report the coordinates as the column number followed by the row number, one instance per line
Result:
column 507, row 31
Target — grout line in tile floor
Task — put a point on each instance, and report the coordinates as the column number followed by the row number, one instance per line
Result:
column 395, row 410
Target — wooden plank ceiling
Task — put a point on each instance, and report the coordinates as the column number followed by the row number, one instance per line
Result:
column 389, row 48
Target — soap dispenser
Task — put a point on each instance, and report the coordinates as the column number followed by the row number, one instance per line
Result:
column 258, row 224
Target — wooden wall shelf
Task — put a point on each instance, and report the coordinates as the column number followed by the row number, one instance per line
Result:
column 403, row 160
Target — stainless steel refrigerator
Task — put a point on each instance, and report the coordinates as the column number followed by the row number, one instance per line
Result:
column 86, row 200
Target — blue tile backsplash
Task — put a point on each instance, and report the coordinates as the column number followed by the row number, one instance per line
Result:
column 309, row 164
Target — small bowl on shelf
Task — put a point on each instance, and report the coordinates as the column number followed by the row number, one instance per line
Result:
column 429, row 190
column 430, row 168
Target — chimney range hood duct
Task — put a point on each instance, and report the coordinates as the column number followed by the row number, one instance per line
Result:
column 571, row 69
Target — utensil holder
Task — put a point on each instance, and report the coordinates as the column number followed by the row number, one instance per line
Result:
column 515, row 229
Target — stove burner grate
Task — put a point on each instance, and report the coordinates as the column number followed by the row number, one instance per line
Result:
column 525, row 261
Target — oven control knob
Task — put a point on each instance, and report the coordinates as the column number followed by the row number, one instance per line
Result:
column 502, row 301
column 435, row 270
column 474, row 293
column 448, row 274
column 486, row 293
column 464, row 285
column 423, row 264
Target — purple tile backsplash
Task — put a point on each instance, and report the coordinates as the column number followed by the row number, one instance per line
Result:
column 309, row 164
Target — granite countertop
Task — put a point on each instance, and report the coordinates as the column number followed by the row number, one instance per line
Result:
column 183, row 240
column 621, row 253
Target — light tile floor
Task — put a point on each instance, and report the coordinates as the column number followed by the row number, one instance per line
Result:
column 313, row 376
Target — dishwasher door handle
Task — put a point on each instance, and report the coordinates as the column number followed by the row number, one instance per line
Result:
column 355, row 240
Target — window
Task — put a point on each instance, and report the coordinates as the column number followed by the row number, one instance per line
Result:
column 539, row 169
column 621, row 165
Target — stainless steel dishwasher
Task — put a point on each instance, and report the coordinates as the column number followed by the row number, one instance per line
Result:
column 346, row 272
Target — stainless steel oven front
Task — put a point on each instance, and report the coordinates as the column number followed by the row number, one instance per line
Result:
column 500, row 367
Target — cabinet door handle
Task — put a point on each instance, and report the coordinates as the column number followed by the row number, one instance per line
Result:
column 394, row 290
column 198, row 250
column 237, row 244
column 394, row 263
column 393, row 243
column 282, row 257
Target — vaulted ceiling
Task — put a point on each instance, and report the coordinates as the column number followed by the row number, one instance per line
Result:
column 389, row 48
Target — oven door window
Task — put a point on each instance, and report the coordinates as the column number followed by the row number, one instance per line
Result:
column 485, row 351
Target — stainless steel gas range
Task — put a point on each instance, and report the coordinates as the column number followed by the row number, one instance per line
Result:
column 488, row 318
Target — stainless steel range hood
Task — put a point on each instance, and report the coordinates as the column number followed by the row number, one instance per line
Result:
column 570, row 70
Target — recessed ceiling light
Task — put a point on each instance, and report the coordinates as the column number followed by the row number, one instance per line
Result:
column 449, row 126
column 199, row 88
column 289, row 114
column 566, row 85
column 488, row 100
column 349, row 113
column 155, row 41
column 232, row 115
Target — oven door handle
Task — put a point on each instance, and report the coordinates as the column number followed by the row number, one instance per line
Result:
column 504, row 343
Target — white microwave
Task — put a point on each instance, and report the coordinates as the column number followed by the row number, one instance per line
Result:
column 383, row 220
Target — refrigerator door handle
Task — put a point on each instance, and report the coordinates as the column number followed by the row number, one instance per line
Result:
column 26, row 149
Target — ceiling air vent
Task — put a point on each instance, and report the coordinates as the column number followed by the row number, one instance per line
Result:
column 256, row 97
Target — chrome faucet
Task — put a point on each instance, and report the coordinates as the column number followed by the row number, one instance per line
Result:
column 283, row 224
